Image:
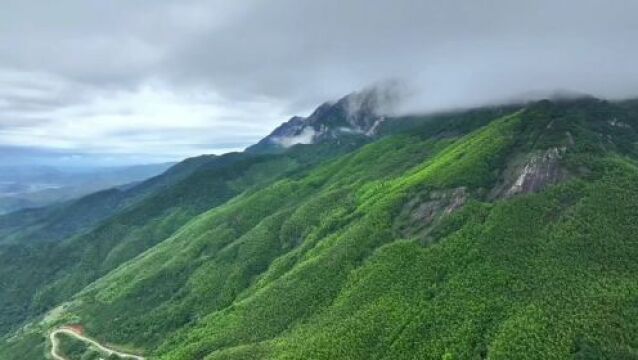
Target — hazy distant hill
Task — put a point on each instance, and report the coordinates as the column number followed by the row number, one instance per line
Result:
column 36, row 186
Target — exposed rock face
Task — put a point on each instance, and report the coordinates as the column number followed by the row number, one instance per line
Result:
column 457, row 199
column 539, row 171
column 358, row 113
column 422, row 212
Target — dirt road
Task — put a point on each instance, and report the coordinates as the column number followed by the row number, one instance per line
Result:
column 108, row 351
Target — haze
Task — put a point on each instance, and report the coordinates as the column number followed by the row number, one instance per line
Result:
column 113, row 82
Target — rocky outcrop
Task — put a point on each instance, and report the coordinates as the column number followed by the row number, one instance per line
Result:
column 535, row 173
column 422, row 212
column 540, row 170
column 358, row 113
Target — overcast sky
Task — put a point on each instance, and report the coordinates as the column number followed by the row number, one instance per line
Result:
column 130, row 81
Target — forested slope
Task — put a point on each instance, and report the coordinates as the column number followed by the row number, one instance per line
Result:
column 498, row 233
column 60, row 250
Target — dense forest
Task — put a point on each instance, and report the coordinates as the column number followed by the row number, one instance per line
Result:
column 502, row 232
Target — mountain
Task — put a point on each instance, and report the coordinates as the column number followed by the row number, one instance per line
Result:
column 502, row 232
column 24, row 187
column 359, row 113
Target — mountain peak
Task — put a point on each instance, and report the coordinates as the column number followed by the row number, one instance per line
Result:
column 360, row 113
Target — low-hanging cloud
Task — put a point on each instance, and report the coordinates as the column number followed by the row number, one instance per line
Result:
column 217, row 72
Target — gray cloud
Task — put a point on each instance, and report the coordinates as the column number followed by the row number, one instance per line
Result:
column 250, row 64
column 454, row 52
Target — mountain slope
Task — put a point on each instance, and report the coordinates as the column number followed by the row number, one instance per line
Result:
column 60, row 250
column 496, row 283
column 494, row 233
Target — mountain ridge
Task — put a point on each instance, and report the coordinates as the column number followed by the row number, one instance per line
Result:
column 457, row 235
column 356, row 113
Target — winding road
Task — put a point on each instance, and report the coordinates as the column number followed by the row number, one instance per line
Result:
column 68, row 331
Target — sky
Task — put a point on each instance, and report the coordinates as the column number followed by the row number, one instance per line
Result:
column 135, row 81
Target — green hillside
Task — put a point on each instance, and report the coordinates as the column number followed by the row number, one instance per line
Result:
column 500, row 233
column 57, row 251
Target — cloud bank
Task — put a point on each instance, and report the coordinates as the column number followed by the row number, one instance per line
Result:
column 168, row 79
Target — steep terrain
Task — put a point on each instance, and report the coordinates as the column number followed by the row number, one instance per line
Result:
column 360, row 113
column 499, row 233
column 59, row 251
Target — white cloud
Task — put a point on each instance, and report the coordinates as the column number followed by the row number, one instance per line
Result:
column 150, row 119
column 305, row 137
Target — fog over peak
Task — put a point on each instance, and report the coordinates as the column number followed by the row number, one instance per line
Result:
column 177, row 78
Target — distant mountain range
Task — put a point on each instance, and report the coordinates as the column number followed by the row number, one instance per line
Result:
column 35, row 186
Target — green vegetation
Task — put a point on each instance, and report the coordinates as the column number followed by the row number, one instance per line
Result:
column 43, row 265
column 405, row 247
column 73, row 348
